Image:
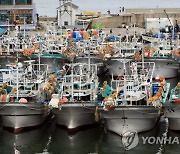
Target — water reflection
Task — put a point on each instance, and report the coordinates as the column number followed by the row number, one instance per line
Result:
column 30, row 142
column 81, row 142
column 54, row 140
column 112, row 143
column 173, row 148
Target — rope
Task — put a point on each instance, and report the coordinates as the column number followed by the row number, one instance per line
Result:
column 164, row 136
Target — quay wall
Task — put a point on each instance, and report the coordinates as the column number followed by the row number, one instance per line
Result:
column 138, row 17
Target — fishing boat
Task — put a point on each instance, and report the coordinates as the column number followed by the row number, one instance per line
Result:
column 176, row 54
column 120, row 56
column 128, row 105
column 12, row 47
column 75, row 105
column 172, row 108
column 49, row 52
column 117, row 66
column 165, row 67
column 161, row 55
column 22, row 103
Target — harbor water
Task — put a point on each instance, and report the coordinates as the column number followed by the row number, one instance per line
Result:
column 52, row 139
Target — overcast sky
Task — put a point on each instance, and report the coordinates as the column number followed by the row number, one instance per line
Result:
column 48, row 7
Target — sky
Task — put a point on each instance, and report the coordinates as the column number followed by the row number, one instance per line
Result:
column 48, row 7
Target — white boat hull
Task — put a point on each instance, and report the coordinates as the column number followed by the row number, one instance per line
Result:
column 93, row 60
column 54, row 64
column 130, row 119
column 150, row 39
column 172, row 112
column 74, row 115
column 165, row 67
column 115, row 66
column 19, row 116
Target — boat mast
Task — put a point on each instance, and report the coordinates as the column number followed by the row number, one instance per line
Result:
column 89, row 60
column 17, row 78
column 8, row 36
column 72, row 82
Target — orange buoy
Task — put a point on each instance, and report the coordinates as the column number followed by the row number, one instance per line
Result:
column 162, row 84
column 155, row 98
column 177, row 100
column 161, row 78
column 160, row 89
column 158, row 94
column 150, row 99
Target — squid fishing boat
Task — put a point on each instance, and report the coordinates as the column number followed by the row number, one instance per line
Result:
column 89, row 55
column 172, row 108
column 22, row 103
column 50, row 52
column 165, row 65
column 130, row 104
column 121, row 59
column 75, row 105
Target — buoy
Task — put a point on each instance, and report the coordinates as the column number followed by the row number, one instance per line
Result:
column 162, row 84
column 158, row 94
column 160, row 89
column 3, row 97
column 150, row 99
column 161, row 78
column 177, row 100
column 23, row 100
column 63, row 100
column 155, row 98
column 110, row 107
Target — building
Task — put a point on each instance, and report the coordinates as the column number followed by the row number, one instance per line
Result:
column 66, row 13
column 141, row 18
column 18, row 12
column 156, row 23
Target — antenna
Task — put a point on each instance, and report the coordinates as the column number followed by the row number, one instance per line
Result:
column 168, row 18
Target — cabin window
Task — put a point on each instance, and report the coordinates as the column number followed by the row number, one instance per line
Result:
column 6, row 2
column 75, row 86
column 66, row 23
